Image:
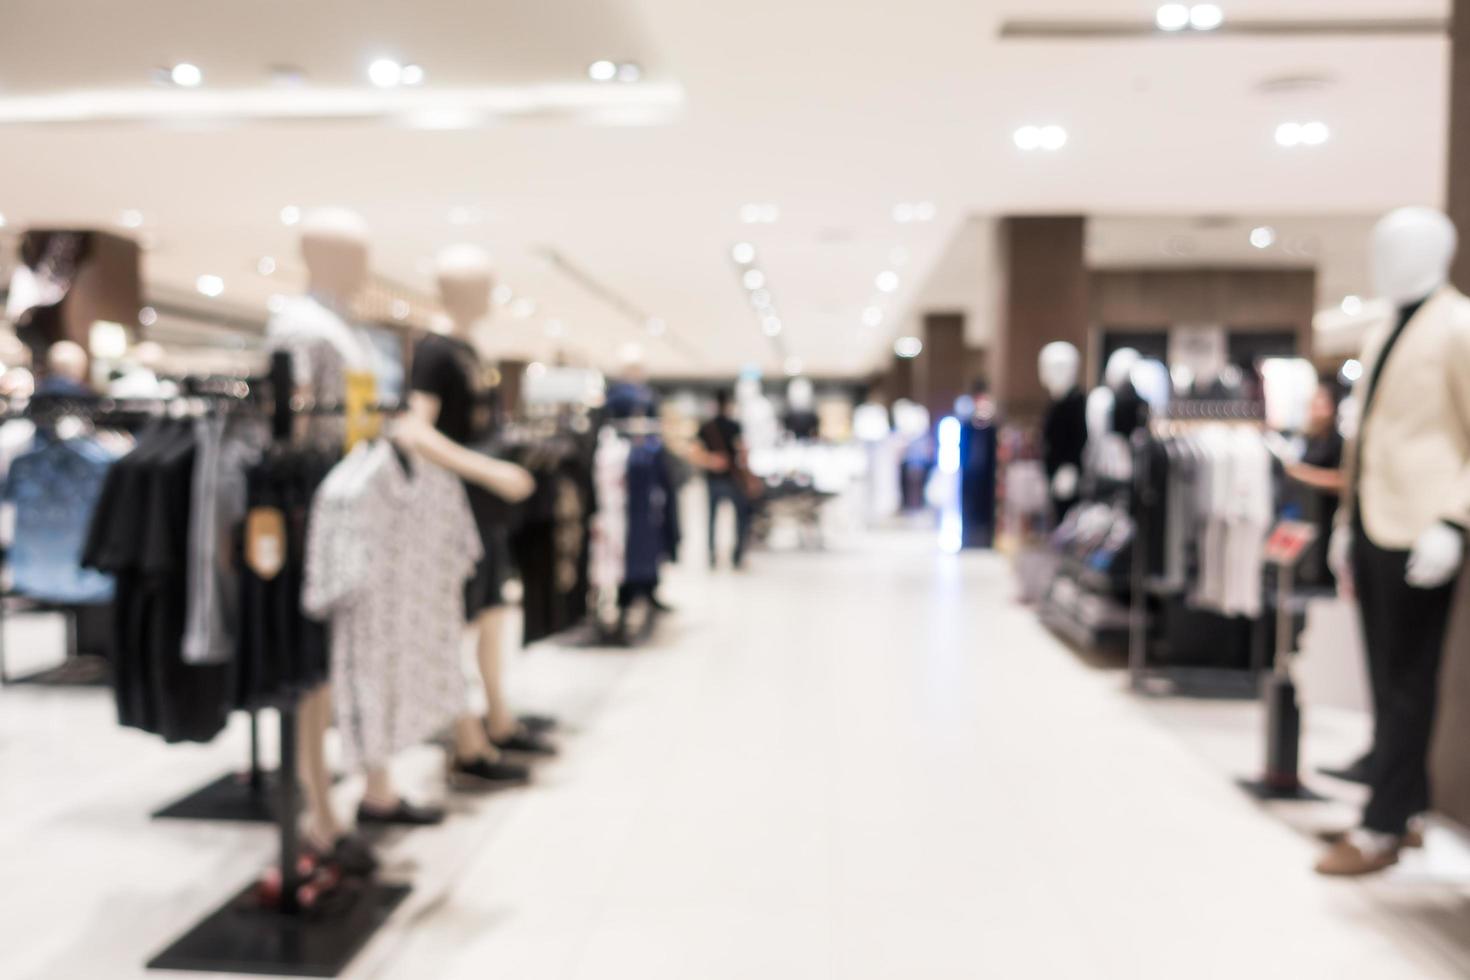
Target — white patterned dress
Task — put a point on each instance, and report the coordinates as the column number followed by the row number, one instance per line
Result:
column 388, row 552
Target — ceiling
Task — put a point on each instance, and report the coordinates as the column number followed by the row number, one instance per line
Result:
column 833, row 111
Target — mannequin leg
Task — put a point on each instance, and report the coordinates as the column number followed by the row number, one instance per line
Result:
column 313, row 718
column 499, row 720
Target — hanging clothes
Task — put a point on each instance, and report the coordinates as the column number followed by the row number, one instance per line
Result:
column 390, row 545
column 550, row 544
column 610, row 522
column 139, row 533
column 54, row 490
column 653, row 515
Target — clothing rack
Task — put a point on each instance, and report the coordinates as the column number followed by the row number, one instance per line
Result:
column 273, row 934
column 1146, row 677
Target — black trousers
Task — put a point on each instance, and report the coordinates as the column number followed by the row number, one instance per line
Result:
column 1404, row 630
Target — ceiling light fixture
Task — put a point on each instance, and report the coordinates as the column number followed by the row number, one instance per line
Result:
column 1050, row 138
column 266, row 266
column 276, row 304
column 502, row 294
column 771, row 325
column 908, row 347
column 1352, row 305
column 761, row 299
column 886, row 281
column 1292, row 134
column 385, row 73
column 412, row 75
column 2, row 221
column 1206, row 16
column 629, row 72
column 753, row 279
column 555, row 328
column 523, row 308
column 1172, row 17
column 131, row 218
column 290, row 215
column 1315, row 133
column 401, row 309
column 1351, row 371
column 903, row 213
column 1263, row 237
column 602, row 71
column 873, row 316
column 743, row 253
column 210, row 286
column 186, row 75
column 147, row 316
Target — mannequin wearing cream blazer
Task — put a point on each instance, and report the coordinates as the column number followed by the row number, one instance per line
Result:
column 1410, row 465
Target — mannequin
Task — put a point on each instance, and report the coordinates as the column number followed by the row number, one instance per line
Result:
column 756, row 414
column 801, row 418
column 329, row 356
column 629, row 396
column 446, row 410
column 1399, row 541
column 1064, row 430
column 1114, row 410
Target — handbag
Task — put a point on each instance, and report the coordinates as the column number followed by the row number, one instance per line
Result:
column 748, row 483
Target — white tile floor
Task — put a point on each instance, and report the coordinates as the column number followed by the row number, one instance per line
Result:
column 862, row 764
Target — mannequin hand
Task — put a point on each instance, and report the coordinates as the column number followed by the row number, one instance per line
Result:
column 1064, row 484
column 1340, row 558
column 1436, row 557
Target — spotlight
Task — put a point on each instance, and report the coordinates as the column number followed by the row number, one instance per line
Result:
column 1172, row 17
column 385, row 73
column 210, row 286
column 602, row 71
column 743, row 253
column 1263, row 237
column 186, row 75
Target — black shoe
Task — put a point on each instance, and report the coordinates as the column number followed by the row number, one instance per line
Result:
column 484, row 774
column 352, row 854
column 659, row 604
column 526, row 742
column 1359, row 772
column 403, row 813
column 538, row 724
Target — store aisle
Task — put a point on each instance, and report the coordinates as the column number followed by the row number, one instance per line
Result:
column 868, row 764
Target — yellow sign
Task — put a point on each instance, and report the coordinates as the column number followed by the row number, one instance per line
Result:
column 360, row 407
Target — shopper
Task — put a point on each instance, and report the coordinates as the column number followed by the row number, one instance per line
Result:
column 1317, row 482
column 724, row 461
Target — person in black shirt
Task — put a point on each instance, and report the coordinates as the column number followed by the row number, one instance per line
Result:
column 723, row 459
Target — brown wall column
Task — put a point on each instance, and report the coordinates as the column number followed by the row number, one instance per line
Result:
column 942, row 364
column 1458, row 196
column 1045, row 300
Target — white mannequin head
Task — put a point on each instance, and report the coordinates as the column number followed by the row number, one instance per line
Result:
column 799, row 395
column 1412, row 252
column 631, row 366
column 1120, row 367
column 334, row 246
column 66, row 359
column 1058, row 366
column 466, row 278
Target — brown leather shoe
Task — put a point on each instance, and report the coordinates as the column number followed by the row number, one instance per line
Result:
column 1413, row 837
column 1345, row 860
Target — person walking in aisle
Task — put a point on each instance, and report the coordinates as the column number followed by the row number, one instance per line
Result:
column 728, row 476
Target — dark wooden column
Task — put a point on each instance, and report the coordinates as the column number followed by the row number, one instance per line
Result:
column 900, row 382
column 1045, row 300
column 943, row 363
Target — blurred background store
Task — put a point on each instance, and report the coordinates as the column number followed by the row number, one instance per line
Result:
column 1028, row 343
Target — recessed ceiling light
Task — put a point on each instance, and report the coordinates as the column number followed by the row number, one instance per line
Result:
column 502, row 294
column 1315, row 133
column 147, row 316
column 412, row 75
column 886, row 281
column 793, row 366
column 1206, row 16
column 1289, row 134
column 759, row 214
column 185, row 75
column 656, row 326
column 131, row 218
column 602, row 71
column 1352, row 370
column 535, row 370
column 385, row 73
column 1028, row 137
column 210, row 286
column 1172, row 17
column 1352, row 305
column 903, row 213
column 873, row 316
column 290, row 215
column 760, row 299
column 743, row 253
column 908, row 347
column 1263, row 236
column 401, row 309
column 523, row 308
column 924, row 211
column 1053, row 137
column 630, row 71
column 753, row 279
column 2, row 221
column 771, row 325
column 1049, row 138
column 266, row 266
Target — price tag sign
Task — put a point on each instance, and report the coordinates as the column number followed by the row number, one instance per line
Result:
column 1289, row 540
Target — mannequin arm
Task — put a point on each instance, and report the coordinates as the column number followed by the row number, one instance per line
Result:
column 416, row 432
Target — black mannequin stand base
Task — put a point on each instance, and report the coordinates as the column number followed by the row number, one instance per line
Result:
column 1283, row 743
column 243, row 937
column 238, row 797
